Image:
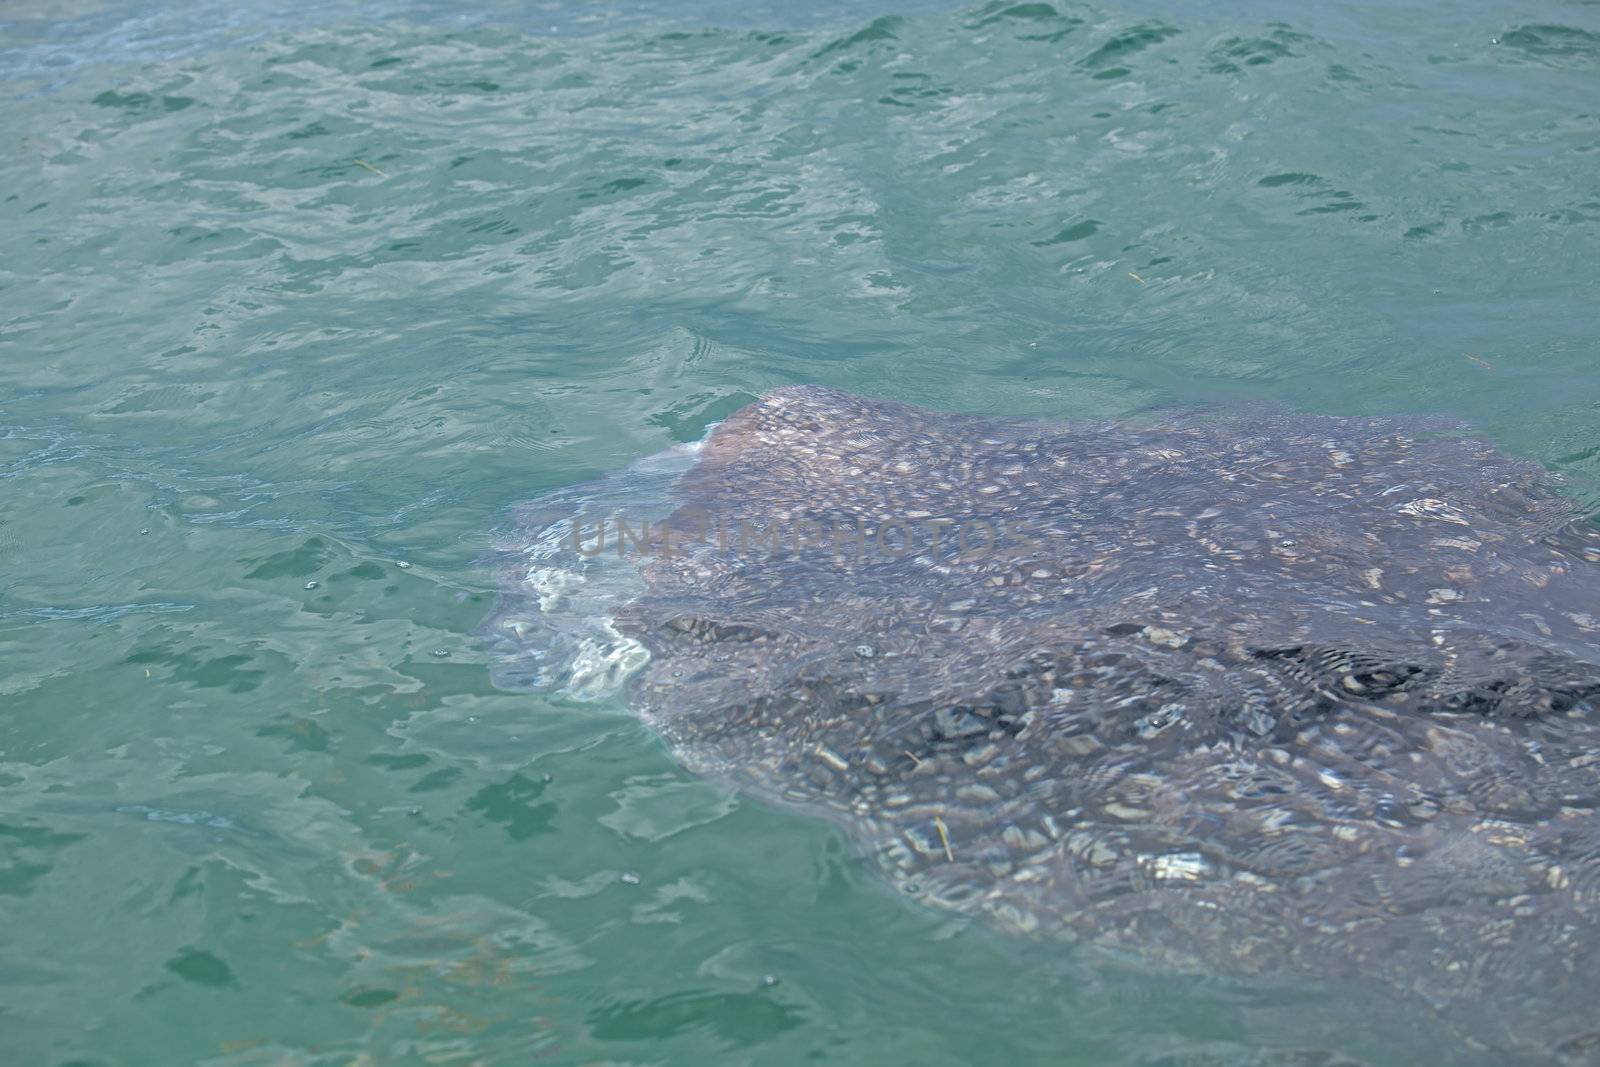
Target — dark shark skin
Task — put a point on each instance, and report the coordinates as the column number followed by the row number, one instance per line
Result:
column 1255, row 696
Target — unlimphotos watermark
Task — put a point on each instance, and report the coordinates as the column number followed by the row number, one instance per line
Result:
column 851, row 539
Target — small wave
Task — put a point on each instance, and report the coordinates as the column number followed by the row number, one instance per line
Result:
column 552, row 630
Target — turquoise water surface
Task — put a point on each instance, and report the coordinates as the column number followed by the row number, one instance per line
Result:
column 296, row 302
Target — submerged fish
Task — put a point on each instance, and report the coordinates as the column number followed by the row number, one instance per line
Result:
column 1250, row 696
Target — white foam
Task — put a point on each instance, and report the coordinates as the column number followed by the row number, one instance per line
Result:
column 553, row 630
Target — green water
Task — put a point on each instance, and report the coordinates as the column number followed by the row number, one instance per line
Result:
column 295, row 297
